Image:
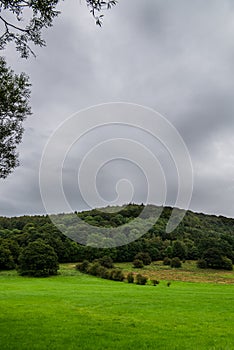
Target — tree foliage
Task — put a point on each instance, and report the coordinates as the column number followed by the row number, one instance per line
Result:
column 216, row 260
column 97, row 7
column 14, row 108
column 23, row 21
column 38, row 259
column 6, row 259
column 198, row 232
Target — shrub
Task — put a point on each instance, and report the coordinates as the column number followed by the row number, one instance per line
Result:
column 106, row 261
column 103, row 272
column 138, row 264
column 93, row 269
column 130, row 277
column 227, row 263
column 155, row 282
column 175, row 262
column 116, row 275
column 201, row 263
column 140, row 279
column 83, row 266
column 166, row 261
column 145, row 257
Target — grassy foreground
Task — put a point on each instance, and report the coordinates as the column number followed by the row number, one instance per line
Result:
column 75, row 311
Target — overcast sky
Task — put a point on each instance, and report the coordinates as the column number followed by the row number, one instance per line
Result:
column 176, row 57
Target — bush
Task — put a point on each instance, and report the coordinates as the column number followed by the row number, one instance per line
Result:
column 38, row 259
column 130, row 277
column 155, row 282
column 175, row 262
column 94, row 268
column 83, row 266
column 145, row 257
column 227, row 263
column 106, row 261
column 166, row 261
column 116, row 275
column 103, row 272
column 201, row 264
column 140, row 279
column 138, row 264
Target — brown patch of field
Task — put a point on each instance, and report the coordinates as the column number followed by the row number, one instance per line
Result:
column 187, row 273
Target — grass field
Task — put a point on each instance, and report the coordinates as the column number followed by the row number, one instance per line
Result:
column 187, row 273
column 75, row 311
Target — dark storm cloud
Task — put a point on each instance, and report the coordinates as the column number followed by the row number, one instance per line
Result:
column 173, row 56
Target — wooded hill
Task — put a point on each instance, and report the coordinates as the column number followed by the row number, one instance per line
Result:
column 198, row 236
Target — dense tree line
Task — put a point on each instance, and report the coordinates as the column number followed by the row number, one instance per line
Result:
column 206, row 238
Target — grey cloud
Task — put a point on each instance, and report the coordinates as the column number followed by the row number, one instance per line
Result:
column 176, row 57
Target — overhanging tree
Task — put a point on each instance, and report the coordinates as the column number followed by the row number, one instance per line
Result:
column 14, row 108
column 21, row 23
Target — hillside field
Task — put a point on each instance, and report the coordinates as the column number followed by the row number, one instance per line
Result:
column 76, row 311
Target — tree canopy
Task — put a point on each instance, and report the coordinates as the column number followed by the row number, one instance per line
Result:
column 23, row 20
column 14, row 108
column 38, row 259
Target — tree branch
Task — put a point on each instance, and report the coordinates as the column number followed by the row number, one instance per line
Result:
column 7, row 24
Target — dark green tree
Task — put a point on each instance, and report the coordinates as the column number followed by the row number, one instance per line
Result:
column 6, row 259
column 11, row 245
column 179, row 249
column 145, row 257
column 216, row 260
column 14, row 108
column 38, row 259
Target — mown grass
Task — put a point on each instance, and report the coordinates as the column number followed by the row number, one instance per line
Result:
column 76, row 311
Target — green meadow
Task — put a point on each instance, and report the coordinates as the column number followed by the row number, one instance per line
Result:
column 76, row 311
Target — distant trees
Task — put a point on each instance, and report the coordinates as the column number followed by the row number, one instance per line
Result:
column 208, row 239
column 214, row 259
column 144, row 257
column 9, row 253
column 179, row 250
column 6, row 259
column 38, row 259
